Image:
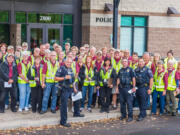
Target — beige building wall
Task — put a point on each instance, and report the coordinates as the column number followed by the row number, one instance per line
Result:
column 163, row 30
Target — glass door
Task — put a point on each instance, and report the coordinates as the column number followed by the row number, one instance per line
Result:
column 53, row 34
column 35, row 36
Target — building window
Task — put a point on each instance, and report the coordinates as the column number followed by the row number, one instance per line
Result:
column 20, row 17
column 68, row 19
column 133, row 34
column 4, row 17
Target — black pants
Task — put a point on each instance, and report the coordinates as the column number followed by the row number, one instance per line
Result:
column 65, row 95
column 36, row 95
column 105, row 95
column 142, row 97
column 3, row 93
column 126, row 99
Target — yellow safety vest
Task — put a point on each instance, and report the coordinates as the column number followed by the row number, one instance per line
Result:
column 116, row 66
column 149, row 64
column 106, row 76
column 159, row 82
column 89, row 73
column 73, row 66
column 25, row 69
column 133, row 66
column 172, row 81
column 51, row 72
column 32, row 83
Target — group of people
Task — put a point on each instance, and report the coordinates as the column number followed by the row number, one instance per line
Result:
column 47, row 78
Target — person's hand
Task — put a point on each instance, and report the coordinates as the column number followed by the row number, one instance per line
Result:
column 134, row 90
column 10, row 81
column 149, row 92
column 111, row 86
column 67, row 77
column 43, row 85
column 75, row 90
column 164, row 92
column 27, row 80
column 36, row 79
column 97, row 87
column 117, row 90
column 177, row 90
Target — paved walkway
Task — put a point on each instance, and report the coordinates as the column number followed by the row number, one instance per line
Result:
column 11, row 120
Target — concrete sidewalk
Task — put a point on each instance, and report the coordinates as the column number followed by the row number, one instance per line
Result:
column 11, row 120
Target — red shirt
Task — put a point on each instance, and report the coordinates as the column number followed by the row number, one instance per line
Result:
column 153, row 68
column 10, row 70
column 78, row 67
column 98, row 65
column 178, row 74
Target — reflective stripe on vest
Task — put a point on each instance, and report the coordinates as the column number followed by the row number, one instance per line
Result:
column 159, row 82
column 89, row 73
column 24, row 73
column 51, row 72
column 105, row 76
column 172, row 81
column 116, row 66
column 32, row 83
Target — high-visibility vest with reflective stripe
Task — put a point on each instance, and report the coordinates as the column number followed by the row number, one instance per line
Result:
column 32, row 83
column 89, row 73
column 133, row 66
column 73, row 66
column 159, row 81
column 172, row 81
column 106, row 76
column 32, row 60
column 24, row 72
column 4, row 57
column 44, row 59
column 166, row 61
column 116, row 66
column 51, row 72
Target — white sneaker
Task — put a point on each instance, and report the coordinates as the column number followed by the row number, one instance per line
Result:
column 81, row 109
column 72, row 108
column 20, row 110
column 30, row 106
column 178, row 111
column 6, row 107
column 135, row 109
column 26, row 109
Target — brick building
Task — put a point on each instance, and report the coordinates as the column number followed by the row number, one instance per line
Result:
column 144, row 25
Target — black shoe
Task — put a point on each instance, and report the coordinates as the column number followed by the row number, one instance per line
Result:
column 14, row 110
column 107, row 110
column 140, row 119
column 101, row 111
column 53, row 111
column 42, row 112
column 1, row 111
column 173, row 114
column 122, row 118
column 33, row 111
column 80, row 115
column 66, row 125
column 130, row 119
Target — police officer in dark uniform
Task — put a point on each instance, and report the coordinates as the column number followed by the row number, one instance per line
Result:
column 65, row 77
column 144, row 83
column 126, row 85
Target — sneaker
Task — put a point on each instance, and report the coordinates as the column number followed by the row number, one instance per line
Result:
column 81, row 109
column 29, row 106
column 26, row 109
column 135, row 109
column 89, row 110
column 20, row 110
column 6, row 107
column 72, row 108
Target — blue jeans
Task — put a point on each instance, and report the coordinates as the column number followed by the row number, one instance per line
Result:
column 50, row 87
column 90, row 95
column 24, row 94
column 162, row 101
column 179, row 103
column 7, row 99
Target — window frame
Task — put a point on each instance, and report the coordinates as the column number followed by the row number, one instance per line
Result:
column 133, row 27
